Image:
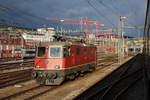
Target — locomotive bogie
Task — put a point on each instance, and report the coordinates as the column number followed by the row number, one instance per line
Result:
column 49, row 77
column 56, row 77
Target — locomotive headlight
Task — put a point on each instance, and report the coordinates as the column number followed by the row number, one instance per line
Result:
column 57, row 67
column 37, row 66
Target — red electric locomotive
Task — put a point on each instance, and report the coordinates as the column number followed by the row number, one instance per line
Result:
column 57, row 61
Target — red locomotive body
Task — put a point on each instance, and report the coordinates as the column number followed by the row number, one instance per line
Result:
column 58, row 61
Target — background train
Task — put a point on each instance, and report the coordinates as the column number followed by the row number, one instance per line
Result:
column 13, row 46
column 24, row 53
column 58, row 61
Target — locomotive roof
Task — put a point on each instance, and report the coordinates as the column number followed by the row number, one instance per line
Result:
column 65, row 43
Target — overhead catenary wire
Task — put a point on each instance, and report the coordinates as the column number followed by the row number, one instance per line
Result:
column 113, row 9
column 100, row 13
column 110, row 8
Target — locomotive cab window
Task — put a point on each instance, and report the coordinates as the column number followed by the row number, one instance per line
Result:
column 55, row 51
column 41, row 51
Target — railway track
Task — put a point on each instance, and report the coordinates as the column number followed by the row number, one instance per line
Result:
column 11, row 78
column 117, row 84
column 28, row 94
column 106, row 60
column 5, row 66
column 15, row 64
column 14, row 72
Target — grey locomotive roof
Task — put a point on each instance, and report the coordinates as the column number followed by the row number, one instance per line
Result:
column 66, row 43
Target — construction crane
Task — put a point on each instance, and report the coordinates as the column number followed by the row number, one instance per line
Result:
column 91, row 23
column 86, row 23
column 72, row 20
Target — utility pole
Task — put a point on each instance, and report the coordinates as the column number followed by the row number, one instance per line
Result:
column 81, row 23
column 86, row 28
column 61, row 26
column 121, row 43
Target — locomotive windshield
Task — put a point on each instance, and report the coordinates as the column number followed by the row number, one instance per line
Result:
column 41, row 51
column 55, row 51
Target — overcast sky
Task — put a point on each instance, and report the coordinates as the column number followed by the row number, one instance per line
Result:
column 34, row 13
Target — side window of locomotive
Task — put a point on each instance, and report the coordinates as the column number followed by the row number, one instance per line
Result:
column 55, row 51
column 85, row 51
column 66, row 51
column 41, row 51
column 77, row 51
column 92, row 51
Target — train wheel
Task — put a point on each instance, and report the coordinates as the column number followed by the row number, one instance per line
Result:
column 82, row 74
column 40, row 80
column 92, row 69
column 57, row 81
column 71, row 77
column 77, row 74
